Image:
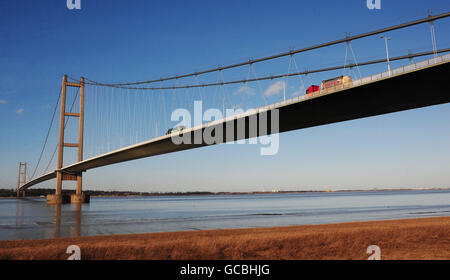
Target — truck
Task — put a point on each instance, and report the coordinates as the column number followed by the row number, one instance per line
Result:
column 341, row 80
column 175, row 129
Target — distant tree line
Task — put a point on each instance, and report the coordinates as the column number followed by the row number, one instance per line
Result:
column 44, row 192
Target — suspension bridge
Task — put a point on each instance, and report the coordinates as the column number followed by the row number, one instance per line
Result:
column 119, row 122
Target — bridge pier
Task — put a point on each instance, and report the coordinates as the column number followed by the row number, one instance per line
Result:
column 79, row 196
column 56, row 199
column 21, row 194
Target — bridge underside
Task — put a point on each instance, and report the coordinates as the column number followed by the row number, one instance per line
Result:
column 412, row 90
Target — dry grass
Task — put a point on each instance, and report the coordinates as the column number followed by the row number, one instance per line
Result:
column 426, row 238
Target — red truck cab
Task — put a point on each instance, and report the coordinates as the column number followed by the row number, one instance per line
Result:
column 312, row 89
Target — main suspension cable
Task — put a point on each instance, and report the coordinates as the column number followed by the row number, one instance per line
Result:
column 282, row 75
column 429, row 18
column 48, row 134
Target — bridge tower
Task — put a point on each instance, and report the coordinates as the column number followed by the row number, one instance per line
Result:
column 61, row 176
column 22, row 178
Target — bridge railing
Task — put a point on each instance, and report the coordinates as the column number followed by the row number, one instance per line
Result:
column 369, row 79
column 401, row 70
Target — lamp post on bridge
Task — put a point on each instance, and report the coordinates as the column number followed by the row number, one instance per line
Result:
column 386, row 39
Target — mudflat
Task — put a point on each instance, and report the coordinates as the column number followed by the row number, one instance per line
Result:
column 421, row 239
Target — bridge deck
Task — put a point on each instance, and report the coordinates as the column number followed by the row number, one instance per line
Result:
column 413, row 86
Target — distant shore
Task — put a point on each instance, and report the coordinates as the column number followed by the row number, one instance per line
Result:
column 422, row 238
column 32, row 193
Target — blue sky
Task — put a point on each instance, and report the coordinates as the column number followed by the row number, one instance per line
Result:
column 116, row 41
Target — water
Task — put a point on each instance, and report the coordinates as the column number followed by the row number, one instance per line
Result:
column 33, row 219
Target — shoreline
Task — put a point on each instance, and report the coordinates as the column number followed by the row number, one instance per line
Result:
column 412, row 238
column 115, row 194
